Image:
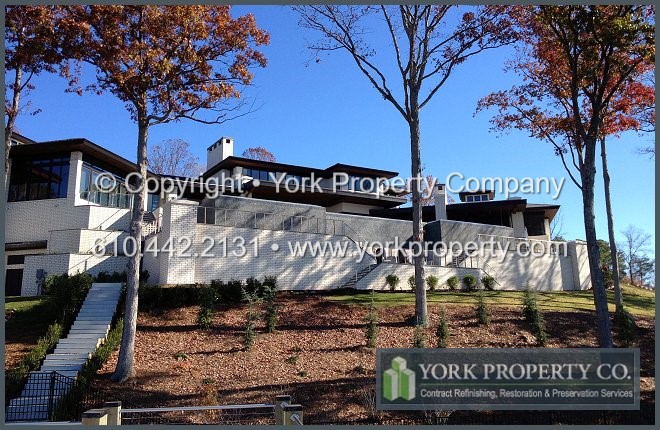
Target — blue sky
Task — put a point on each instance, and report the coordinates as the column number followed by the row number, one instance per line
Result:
column 317, row 114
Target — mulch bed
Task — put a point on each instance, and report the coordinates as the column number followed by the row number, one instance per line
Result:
column 317, row 356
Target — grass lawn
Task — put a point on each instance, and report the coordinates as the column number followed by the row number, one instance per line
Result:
column 28, row 320
column 639, row 302
column 19, row 303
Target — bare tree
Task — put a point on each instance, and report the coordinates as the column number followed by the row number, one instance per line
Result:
column 633, row 247
column 427, row 42
column 259, row 153
column 173, row 157
column 557, row 227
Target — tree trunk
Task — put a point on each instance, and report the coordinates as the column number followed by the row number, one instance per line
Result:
column 125, row 369
column 618, row 297
column 12, row 113
column 588, row 175
column 418, row 232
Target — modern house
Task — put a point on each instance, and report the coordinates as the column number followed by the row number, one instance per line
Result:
column 244, row 217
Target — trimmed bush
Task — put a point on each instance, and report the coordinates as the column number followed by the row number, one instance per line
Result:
column 442, row 332
column 411, row 282
column 452, row 283
column 626, row 326
column 66, row 294
column 16, row 376
column 483, row 313
column 419, row 339
column 153, row 297
column 253, row 286
column 206, row 313
column 371, row 333
column 250, row 333
column 470, row 282
column 69, row 406
column 392, row 281
column 230, row 292
column 432, row 282
column 270, row 311
column 534, row 317
column 488, row 282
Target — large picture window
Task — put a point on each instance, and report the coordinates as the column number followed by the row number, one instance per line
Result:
column 118, row 197
column 37, row 179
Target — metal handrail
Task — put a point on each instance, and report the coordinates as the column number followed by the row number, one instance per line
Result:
column 196, row 408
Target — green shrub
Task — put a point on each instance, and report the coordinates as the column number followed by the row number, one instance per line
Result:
column 66, row 294
column 483, row 314
column 470, row 282
column 419, row 338
column 270, row 281
column 411, row 282
column 250, row 333
column 69, row 406
column 452, row 283
column 488, row 282
column 626, row 325
column 153, row 297
column 230, row 292
column 534, row 317
column 371, row 319
column 432, row 282
column 530, row 307
column 253, row 286
column 270, row 311
column 442, row 332
column 206, row 312
column 392, row 281
column 16, row 376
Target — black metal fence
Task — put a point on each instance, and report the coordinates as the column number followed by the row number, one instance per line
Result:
column 52, row 396
column 258, row 414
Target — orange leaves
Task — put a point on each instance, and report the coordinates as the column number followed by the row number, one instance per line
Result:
column 167, row 62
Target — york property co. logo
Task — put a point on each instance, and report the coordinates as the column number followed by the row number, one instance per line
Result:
column 399, row 381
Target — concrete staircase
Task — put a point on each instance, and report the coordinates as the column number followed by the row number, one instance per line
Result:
column 358, row 276
column 44, row 388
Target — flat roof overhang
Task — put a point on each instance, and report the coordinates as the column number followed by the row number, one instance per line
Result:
column 231, row 162
column 549, row 211
column 267, row 190
column 122, row 165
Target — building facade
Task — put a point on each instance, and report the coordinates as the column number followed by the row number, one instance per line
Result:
column 342, row 226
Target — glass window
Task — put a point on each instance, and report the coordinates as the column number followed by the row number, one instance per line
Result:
column 153, row 200
column 46, row 178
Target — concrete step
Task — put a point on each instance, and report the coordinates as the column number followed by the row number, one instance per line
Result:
column 73, row 350
column 23, row 413
column 81, row 341
column 33, row 401
column 58, row 367
column 100, row 333
column 89, row 324
column 85, row 336
column 65, row 361
column 73, row 356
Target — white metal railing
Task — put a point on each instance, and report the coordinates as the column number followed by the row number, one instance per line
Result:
column 112, row 200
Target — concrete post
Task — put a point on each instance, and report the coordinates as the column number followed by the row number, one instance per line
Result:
column 114, row 413
column 280, row 402
column 95, row 417
column 293, row 415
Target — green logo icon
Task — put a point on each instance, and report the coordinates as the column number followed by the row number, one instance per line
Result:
column 399, row 381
